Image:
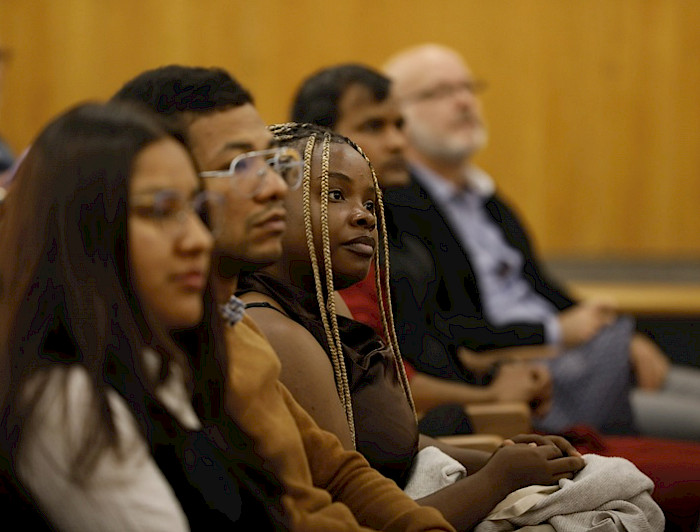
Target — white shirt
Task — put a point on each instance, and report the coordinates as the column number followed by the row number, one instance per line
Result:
column 126, row 490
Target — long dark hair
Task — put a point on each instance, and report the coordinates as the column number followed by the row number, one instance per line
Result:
column 66, row 296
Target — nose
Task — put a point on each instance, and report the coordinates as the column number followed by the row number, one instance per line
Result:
column 273, row 187
column 196, row 237
column 465, row 97
column 396, row 140
column 362, row 217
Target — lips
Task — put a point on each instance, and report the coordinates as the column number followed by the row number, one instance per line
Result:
column 468, row 119
column 275, row 222
column 193, row 280
column 362, row 245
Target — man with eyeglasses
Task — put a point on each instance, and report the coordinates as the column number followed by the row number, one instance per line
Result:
column 324, row 487
column 488, row 289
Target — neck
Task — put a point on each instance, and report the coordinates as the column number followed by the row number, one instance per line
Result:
column 226, row 278
column 296, row 273
column 452, row 171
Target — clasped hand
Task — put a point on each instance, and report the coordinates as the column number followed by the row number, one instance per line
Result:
column 529, row 459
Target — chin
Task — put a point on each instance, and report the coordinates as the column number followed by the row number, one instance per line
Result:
column 252, row 258
column 346, row 280
column 394, row 178
column 258, row 262
column 476, row 140
column 266, row 254
column 185, row 319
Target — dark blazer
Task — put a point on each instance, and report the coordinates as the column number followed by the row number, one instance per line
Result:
column 436, row 298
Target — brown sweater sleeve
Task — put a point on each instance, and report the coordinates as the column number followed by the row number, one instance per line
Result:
column 306, row 460
column 374, row 500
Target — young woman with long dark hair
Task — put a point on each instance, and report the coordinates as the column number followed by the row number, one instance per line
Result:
column 112, row 358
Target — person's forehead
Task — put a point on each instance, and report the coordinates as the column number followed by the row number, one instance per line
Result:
column 432, row 68
column 445, row 69
column 162, row 164
column 218, row 134
column 453, row 66
column 344, row 159
column 354, row 98
column 359, row 103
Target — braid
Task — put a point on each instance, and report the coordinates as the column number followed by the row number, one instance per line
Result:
column 384, row 294
column 381, row 280
column 329, row 308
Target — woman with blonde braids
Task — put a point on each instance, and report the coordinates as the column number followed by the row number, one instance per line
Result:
column 339, row 370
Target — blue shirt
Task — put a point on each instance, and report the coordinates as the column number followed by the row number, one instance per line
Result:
column 505, row 294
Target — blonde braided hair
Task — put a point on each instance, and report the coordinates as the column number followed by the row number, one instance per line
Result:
column 307, row 135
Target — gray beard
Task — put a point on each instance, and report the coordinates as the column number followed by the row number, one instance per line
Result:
column 448, row 152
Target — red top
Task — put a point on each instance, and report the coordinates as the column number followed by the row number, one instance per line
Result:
column 361, row 298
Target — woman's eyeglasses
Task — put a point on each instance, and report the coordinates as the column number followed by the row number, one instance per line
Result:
column 170, row 210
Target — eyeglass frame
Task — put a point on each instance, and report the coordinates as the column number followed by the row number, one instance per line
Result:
column 277, row 151
column 187, row 207
column 447, row 90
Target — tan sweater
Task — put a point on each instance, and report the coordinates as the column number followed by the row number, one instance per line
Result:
column 326, row 487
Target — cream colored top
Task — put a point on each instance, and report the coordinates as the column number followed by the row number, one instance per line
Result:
column 126, row 490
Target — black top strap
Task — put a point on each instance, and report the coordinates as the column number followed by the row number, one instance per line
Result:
column 263, row 304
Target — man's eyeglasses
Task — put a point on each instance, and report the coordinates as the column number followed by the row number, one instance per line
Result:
column 445, row 90
column 170, row 210
column 249, row 169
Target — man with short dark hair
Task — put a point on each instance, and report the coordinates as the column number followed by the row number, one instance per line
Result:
column 222, row 125
column 236, row 156
column 353, row 100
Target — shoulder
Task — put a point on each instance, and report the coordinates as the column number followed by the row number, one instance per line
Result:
column 252, row 298
column 63, row 395
column 306, row 371
column 124, row 489
column 67, row 413
column 271, row 318
column 289, row 338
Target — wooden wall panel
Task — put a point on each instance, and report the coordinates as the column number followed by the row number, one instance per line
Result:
column 593, row 106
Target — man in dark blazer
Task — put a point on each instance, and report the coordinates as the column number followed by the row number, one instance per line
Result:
column 474, row 278
column 445, row 128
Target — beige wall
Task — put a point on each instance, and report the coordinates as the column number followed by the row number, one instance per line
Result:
column 594, row 106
